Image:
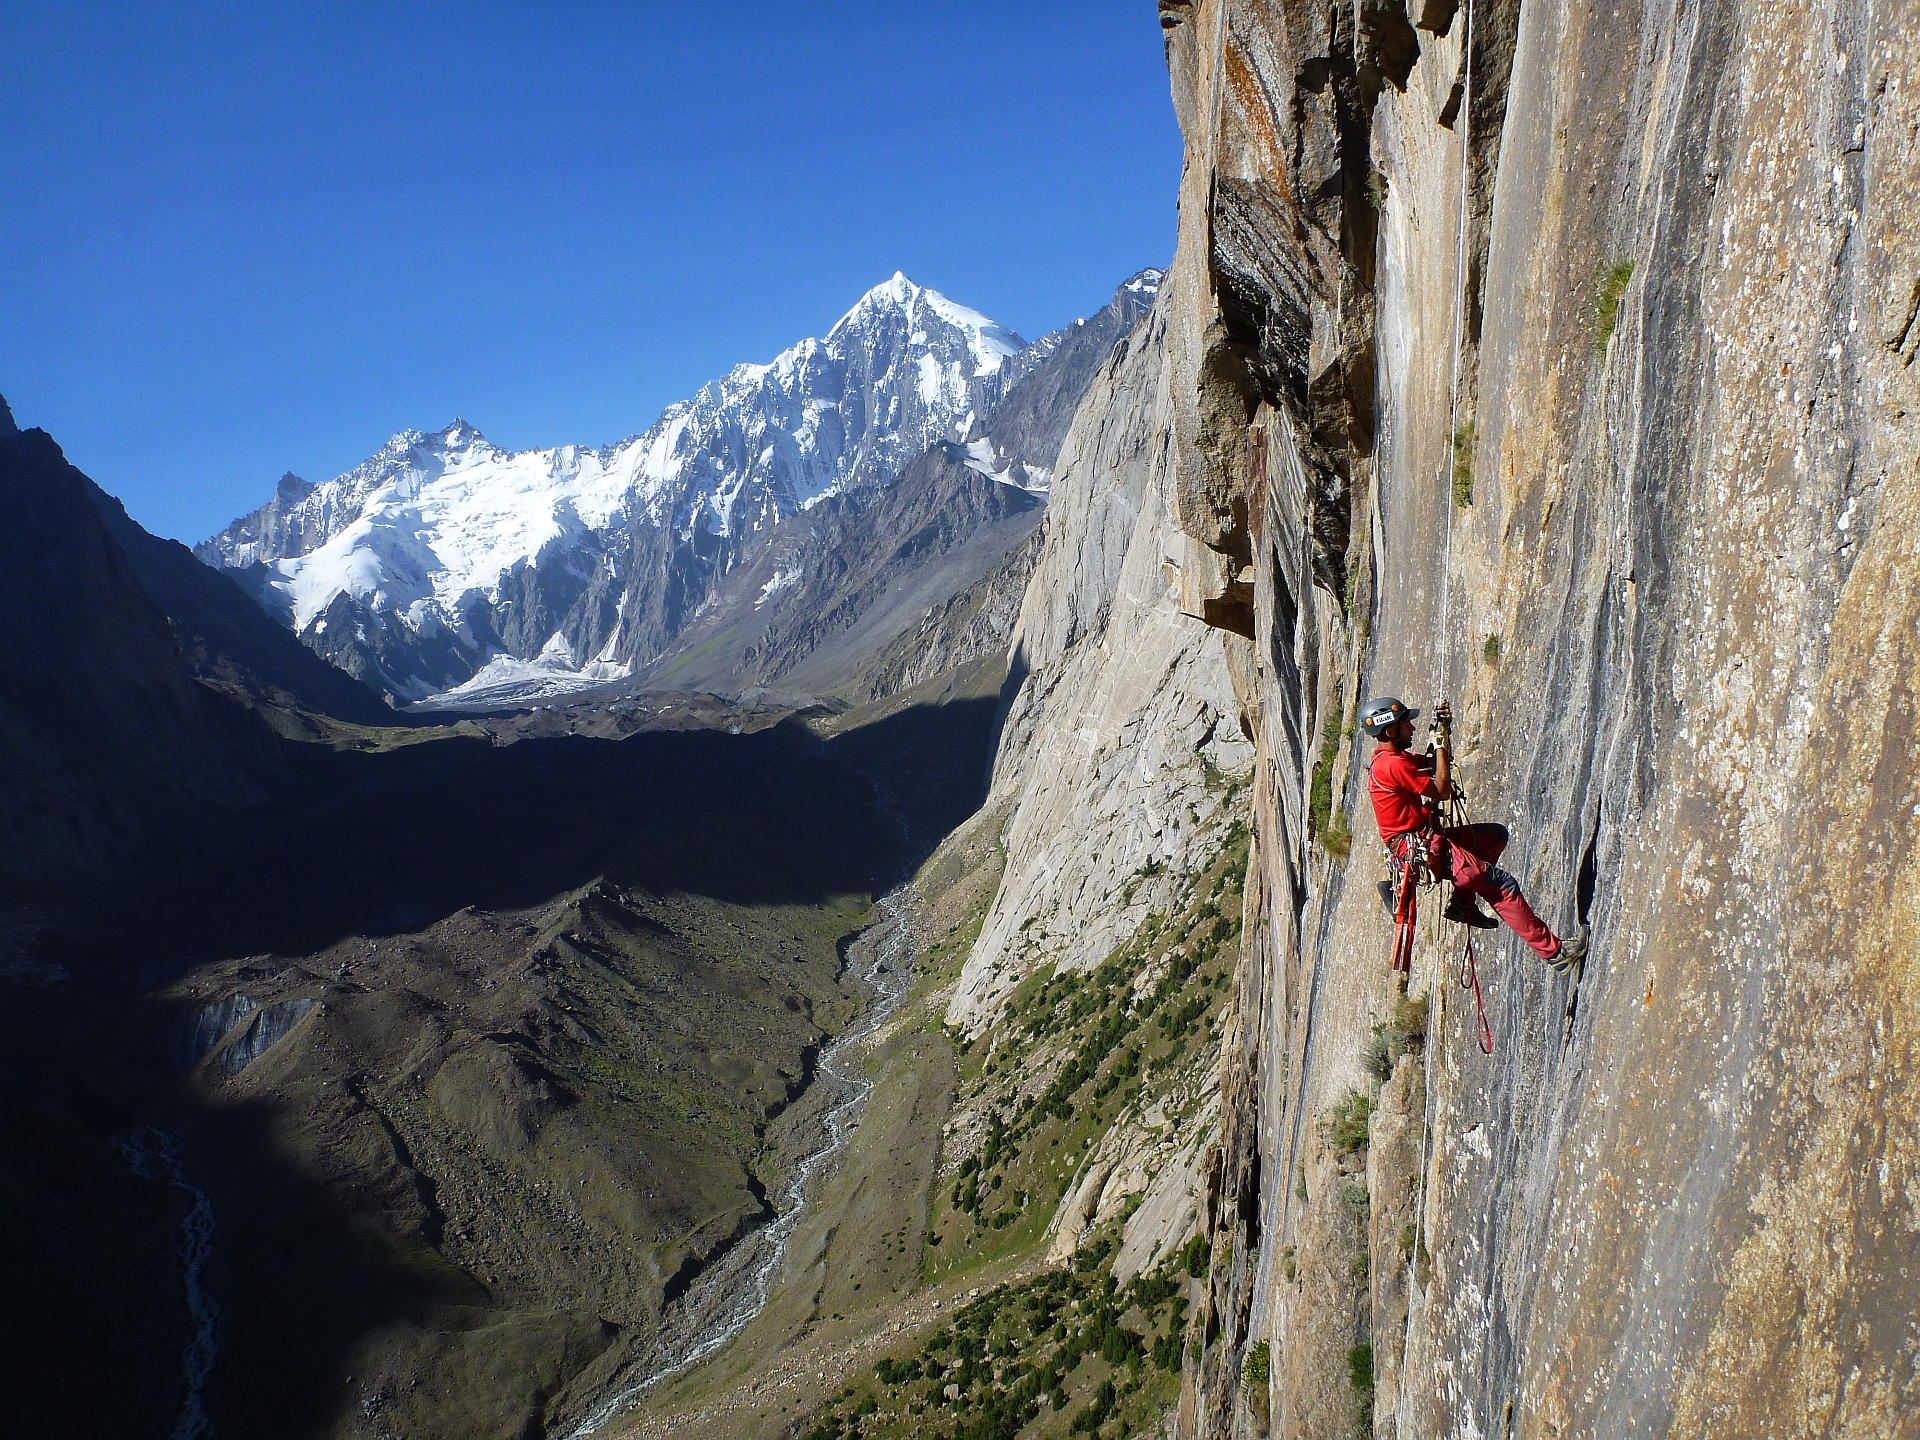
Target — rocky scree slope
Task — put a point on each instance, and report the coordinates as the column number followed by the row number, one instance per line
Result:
column 444, row 552
column 1561, row 361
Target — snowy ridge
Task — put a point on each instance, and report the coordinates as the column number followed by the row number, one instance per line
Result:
column 432, row 518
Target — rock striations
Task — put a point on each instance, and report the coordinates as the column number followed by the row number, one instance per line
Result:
column 1560, row 362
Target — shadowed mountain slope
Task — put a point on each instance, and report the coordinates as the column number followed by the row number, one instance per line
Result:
column 226, row 638
column 106, row 736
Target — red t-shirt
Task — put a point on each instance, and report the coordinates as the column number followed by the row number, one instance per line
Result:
column 1396, row 780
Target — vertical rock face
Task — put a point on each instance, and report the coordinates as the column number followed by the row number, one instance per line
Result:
column 1122, row 738
column 1560, row 362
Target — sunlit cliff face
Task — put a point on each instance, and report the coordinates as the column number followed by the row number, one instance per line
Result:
column 1567, row 373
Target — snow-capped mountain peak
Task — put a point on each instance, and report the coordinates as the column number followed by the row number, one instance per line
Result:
column 447, row 550
column 991, row 344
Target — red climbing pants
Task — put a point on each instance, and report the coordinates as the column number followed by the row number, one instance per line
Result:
column 1467, row 859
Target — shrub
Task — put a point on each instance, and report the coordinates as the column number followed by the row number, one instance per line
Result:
column 1608, row 291
column 1149, row 1293
column 1328, row 828
column 1410, row 1018
column 1354, row 1196
column 1119, row 1346
column 1090, row 1419
column 1359, row 556
column 1490, row 652
column 1463, row 439
column 1350, row 1121
column 1166, row 1351
column 1198, row 1257
column 1259, row 1364
column 1360, row 1371
column 1089, row 1257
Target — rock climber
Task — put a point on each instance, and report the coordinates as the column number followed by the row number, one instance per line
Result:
column 1408, row 791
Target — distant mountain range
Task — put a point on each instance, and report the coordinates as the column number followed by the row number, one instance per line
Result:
column 445, row 566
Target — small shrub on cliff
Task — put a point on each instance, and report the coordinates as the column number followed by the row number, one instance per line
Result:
column 1463, row 439
column 1360, row 1371
column 1410, row 1018
column 1259, row 1364
column 1360, row 1376
column 1607, row 294
column 1349, row 1121
column 1490, row 652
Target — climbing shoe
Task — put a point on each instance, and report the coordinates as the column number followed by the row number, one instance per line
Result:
column 1573, row 950
column 1463, row 909
column 1386, row 895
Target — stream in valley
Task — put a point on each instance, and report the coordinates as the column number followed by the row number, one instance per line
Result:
column 156, row 1155
column 730, row 1293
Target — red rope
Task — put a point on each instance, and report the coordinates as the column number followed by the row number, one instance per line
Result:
column 1470, row 979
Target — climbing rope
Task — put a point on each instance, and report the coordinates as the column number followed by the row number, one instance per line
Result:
column 1469, row 967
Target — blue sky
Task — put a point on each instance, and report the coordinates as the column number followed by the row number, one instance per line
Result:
column 242, row 239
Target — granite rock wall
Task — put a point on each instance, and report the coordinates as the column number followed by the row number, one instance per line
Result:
column 1559, row 359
